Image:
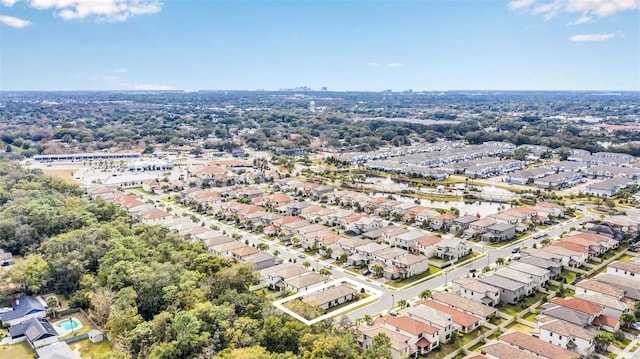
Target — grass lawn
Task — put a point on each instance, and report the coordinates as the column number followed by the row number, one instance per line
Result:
column 497, row 321
column 513, row 309
column 621, row 344
column 601, row 270
column 569, row 276
column 476, row 348
column 20, row 350
column 520, row 327
column 415, row 278
column 495, row 335
column 530, row 316
column 553, row 288
column 91, row 350
column 139, row 189
column 446, row 349
column 626, row 258
column 86, row 324
column 473, row 254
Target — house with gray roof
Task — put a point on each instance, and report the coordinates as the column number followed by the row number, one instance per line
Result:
column 38, row 332
column 58, row 350
column 511, row 291
column 24, row 308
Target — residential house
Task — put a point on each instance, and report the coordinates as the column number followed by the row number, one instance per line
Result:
column 566, row 335
column 260, row 260
column 629, row 286
column 435, row 318
column 463, row 322
column 332, row 296
column 305, row 281
column 58, row 350
column 499, row 232
column 609, row 187
column 465, row 305
column 424, row 336
column 399, row 348
column 442, row 222
column 411, row 264
column 409, row 239
column 554, row 268
column 38, row 332
column 612, row 307
column 539, row 275
column 498, row 350
column 427, row 245
column 592, row 286
column 476, row 291
column 511, row 291
column 627, row 270
column 524, row 278
column 224, row 249
column 570, row 258
column 535, row 346
column 451, row 249
column 277, row 275
column 24, row 308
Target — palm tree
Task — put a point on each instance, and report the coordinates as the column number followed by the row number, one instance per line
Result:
column 602, row 340
column 325, row 272
column 500, row 261
column 378, row 270
column 627, row 319
column 425, row 294
column 403, row 304
column 306, row 264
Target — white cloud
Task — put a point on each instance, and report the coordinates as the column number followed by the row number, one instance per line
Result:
column 119, row 82
column 588, row 9
column 374, row 64
column 8, row 3
column 153, row 87
column 98, row 10
column 520, row 4
column 592, row 37
column 584, row 19
column 395, row 64
column 14, row 21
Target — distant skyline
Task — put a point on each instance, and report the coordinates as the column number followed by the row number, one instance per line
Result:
column 368, row 45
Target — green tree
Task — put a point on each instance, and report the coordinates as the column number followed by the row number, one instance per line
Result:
column 31, row 274
column 602, row 340
column 425, row 294
column 380, row 348
column 377, row 270
column 627, row 319
column 402, row 303
column 500, row 261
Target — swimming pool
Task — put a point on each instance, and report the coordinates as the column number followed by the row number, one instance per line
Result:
column 69, row 324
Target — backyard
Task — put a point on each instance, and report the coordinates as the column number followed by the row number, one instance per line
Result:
column 513, row 309
column 416, row 278
column 86, row 324
column 20, row 350
column 459, row 342
column 91, row 350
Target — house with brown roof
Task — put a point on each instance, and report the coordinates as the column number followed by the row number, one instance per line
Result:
column 535, row 346
column 463, row 322
column 224, row 249
column 400, row 347
column 465, row 305
column 424, row 337
column 305, row 281
column 331, row 297
column 499, row 350
column 427, row 245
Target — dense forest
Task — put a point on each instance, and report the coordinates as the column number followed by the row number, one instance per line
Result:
column 156, row 295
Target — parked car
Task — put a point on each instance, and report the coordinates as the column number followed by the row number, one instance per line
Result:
column 515, row 250
column 328, row 266
column 302, row 256
column 636, row 325
column 633, row 248
column 366, row 272
column 472, row 270
column 394, row 314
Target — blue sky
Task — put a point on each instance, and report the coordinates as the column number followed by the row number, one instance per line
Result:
column 344, row 45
